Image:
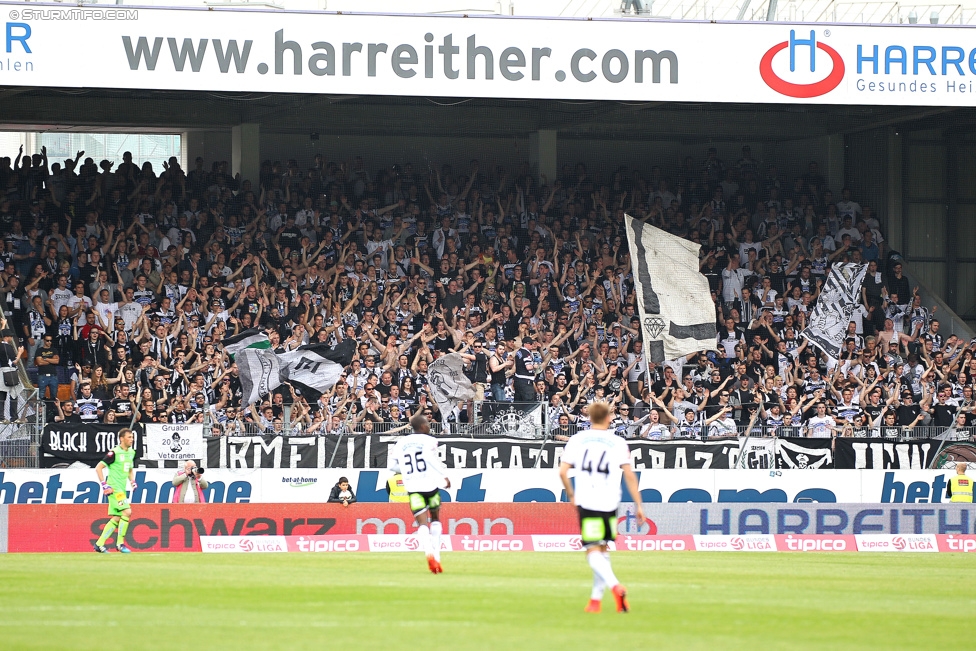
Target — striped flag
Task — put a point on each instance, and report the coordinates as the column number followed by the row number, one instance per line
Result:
column 835, row 305
column 250, row 338
column 675, row 303
column 260, row 373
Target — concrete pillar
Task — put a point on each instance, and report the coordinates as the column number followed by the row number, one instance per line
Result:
column 892, row 222
column 835, row 164
column 210, row 144
column 246, row 152
column 542, row 154
column 193, row 143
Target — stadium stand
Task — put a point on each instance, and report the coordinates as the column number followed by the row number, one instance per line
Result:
column 139, row 277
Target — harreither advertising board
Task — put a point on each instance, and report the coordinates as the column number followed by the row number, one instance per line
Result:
column 486, row 56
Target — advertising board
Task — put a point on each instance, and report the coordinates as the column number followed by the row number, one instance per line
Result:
column 179, row 527
column 481, row 527
column 337, row 53
column 80, row 486
column 928, row 543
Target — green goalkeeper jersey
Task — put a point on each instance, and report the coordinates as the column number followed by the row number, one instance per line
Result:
column 119, row 463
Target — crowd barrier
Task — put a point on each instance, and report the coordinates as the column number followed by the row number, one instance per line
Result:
column 59, row 445
column 245, row 528
column 272, row 486
column 170, row 445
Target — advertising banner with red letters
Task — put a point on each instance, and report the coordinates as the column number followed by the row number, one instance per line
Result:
column 179, row 527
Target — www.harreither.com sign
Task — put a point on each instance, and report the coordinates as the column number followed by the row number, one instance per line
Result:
column 487, row 56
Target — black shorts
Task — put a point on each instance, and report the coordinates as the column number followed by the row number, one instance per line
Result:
column 597, row 527
column 420, row 502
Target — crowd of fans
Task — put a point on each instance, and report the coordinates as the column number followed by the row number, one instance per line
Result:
column 120, row 284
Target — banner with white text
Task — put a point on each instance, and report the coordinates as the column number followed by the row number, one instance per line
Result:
column 64, row 444
column 287, row 486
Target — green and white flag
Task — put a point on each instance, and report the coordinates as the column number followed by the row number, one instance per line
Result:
column 250, row 338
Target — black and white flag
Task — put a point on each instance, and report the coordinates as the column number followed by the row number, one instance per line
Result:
column 275, row 451
column 879, row 454
column 757, row 453
column 804, row 454
column 835, row 305
column 521, row 420
column 676, row 308
column 448, row 385
column 312, row 369
column 250, row 338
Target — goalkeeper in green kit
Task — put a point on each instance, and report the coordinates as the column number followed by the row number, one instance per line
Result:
column 120, row 462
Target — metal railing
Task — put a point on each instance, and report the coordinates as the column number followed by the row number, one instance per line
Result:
column 20, row 432
column 480, row 419
column 540, row 421
column 20, row 437
column 699, row 432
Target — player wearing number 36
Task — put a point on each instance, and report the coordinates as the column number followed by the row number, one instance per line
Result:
column 415, row 458
column 599, row 458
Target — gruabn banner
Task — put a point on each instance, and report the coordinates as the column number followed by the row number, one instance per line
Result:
column 174, row 442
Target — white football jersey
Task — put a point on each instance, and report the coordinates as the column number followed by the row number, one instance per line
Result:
column 820, row 428
column 597, row 455
column 415, row 457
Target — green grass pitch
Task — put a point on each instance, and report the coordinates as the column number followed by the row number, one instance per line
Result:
column 502, row 601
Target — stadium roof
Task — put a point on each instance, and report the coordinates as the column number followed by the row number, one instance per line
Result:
column 39, row 109
column 821, row 11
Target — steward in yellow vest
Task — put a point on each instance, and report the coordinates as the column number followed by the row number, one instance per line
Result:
column 395, row 489
column 961, row 486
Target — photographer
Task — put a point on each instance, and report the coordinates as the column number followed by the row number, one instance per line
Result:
column 190, row 484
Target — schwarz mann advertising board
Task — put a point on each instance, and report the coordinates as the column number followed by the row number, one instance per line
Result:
column 486, row 56
column 298, row 486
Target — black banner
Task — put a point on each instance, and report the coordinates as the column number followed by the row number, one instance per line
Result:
column 804, row 454
column 684, row 454
column 362, row 451
column 65, row 443
column 879, row 454
column 267, row 451
column 370, row 451
column 504, row 452
column 499, row 452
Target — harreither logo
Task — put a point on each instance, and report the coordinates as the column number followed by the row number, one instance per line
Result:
column 790, row 89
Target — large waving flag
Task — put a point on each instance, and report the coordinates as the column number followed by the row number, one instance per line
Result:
column 449, row 386
column 835, row 305
column 312, row 369
column 676, row 308
column 250, row 338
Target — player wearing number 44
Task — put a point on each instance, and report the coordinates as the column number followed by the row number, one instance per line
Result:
column 600, row 457
column 415, row 458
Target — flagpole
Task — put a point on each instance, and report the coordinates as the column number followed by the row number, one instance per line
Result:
column 945, row 439
column 336, row 449
column 545, row 442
